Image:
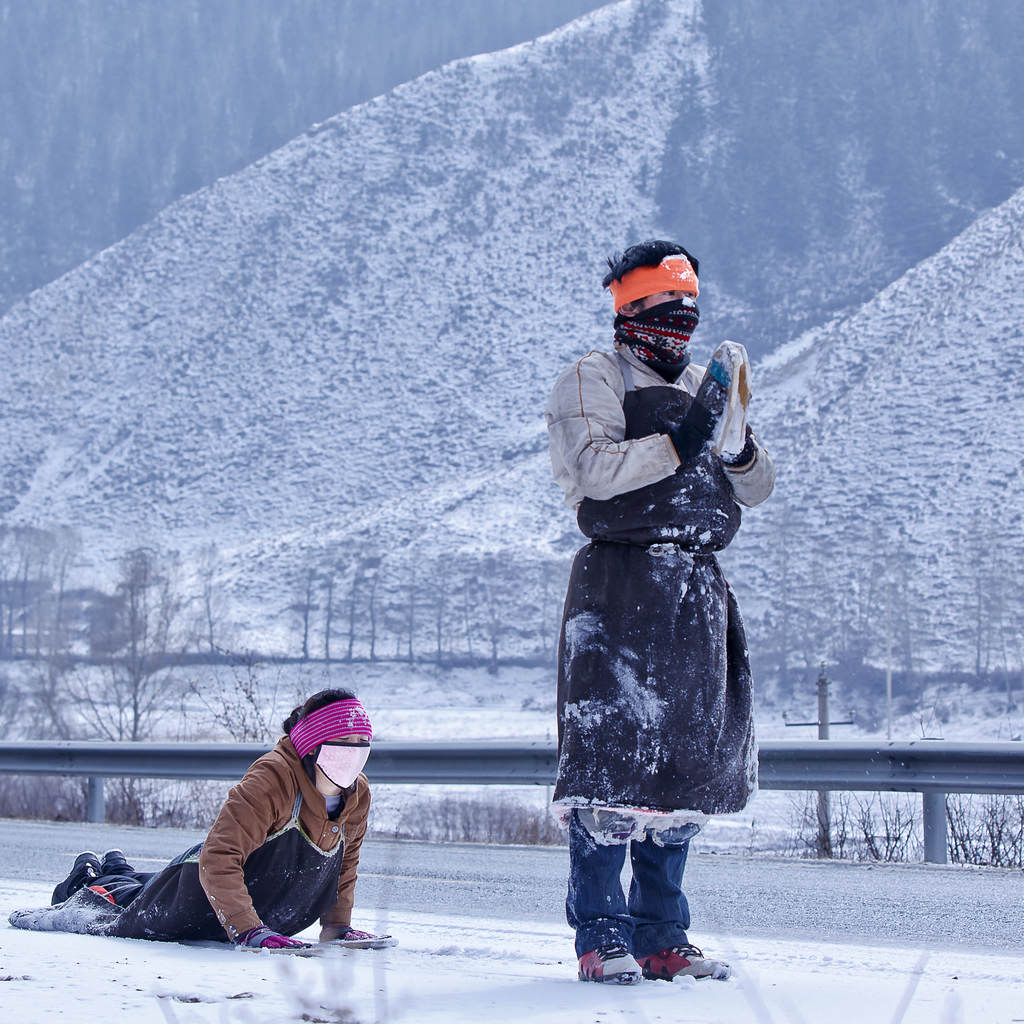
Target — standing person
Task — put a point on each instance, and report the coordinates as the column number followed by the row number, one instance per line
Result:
column 655, row 725
column 283, row 851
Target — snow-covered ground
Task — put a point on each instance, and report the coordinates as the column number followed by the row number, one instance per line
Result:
column 470, row 969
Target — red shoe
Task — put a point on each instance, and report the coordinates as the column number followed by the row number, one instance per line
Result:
column 678, row 961
column 612, row 964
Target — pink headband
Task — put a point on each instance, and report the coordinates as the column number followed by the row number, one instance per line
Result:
column 342, row 718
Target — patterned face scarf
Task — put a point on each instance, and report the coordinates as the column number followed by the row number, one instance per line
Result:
column 660, row 336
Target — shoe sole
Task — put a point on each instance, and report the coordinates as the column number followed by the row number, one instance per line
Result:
column 622, row 978
column 721, row 974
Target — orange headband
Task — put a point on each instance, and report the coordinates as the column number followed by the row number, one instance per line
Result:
column 673, row 274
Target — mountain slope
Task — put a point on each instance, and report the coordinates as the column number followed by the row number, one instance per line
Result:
column 343, row 352
column 112, row 110
column 372, row 311
column 899, row 436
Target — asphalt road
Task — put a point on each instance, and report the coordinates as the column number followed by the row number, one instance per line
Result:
column 925, row 906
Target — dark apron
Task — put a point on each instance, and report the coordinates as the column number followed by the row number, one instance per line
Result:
column 291, row 880
column 654, row 695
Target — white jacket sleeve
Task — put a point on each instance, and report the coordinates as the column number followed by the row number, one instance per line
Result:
column 586, row 431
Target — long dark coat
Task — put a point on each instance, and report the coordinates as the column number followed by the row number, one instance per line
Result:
column 654, row 688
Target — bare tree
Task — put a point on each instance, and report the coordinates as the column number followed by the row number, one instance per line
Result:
column 25, row 553
column 67, row 550
column 42, row 560
column 984, row 579
column 468, row 592
column 327, row 583
column 437, row 584
column 410, row 631
column 11, row 699
column 365, row 577
column 372, row 571
column 133, row 691
column 553, row 577
column 491, row 587
column 399, row 602
column 240, row 705
column 210, row 599
column 45, row 701
column 303, row 608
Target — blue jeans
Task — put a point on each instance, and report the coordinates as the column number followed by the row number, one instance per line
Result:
column 656, row 915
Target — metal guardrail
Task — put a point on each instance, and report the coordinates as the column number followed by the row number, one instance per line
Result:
column 920, row 766
column 932, row 768
column 443, row 763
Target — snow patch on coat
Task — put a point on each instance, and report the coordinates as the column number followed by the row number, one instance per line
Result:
column 83, row 913
column 586, row 712
column 583, row 632
column 637, row 700
column 671, row 568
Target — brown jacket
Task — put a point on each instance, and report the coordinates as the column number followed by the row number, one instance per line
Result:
column 260, row 805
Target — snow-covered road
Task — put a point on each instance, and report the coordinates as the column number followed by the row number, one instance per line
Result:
column 474, row 969
column 868, row 903
column 483, row 939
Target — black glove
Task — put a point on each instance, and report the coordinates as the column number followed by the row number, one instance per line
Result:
column 689, row 436
column 697, row 426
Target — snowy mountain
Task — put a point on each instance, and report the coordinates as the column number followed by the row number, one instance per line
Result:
column 337, row 359
column 899, row 436
column 112, row 109
column 371, row 315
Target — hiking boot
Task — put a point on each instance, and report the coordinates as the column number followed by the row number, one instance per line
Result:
column 612, row 964
column 678, row 961
column 115, row 863
column 85, row 869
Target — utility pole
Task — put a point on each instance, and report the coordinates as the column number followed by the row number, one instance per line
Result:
column 824, row 815
column 823, row 845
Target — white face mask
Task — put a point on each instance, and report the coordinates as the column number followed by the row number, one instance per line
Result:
column 342, row 762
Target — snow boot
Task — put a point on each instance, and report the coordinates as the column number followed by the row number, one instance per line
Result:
column 678, row 961
column 85, row 869
column 115, row 863
column 612, row 964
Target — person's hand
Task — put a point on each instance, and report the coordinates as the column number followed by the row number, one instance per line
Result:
column 355, row 939
column 266, row 938
column 697, row 427
column 331, row 933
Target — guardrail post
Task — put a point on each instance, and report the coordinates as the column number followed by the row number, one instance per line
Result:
column 96, row 807
column 934, row 827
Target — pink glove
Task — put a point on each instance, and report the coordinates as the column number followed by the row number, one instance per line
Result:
column 266, row 938
column 353, row 938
